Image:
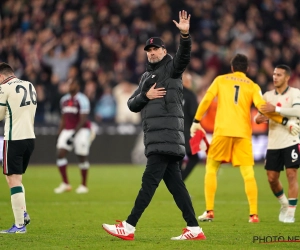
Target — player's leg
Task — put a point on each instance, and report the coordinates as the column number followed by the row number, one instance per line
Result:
column 291, row 162
column 26, row 159
column 190, row 165
column 26, row 215
column 176, row 186
column 62, row 162
column 84, row 166
column 291, row 174
column 242, row 155
column 274, row 164
column 81, row 148
column 13, row 169
column 219, row 150
column 251, row 191
column 153, row 174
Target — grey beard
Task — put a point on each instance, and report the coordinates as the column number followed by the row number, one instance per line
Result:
column 154, row 60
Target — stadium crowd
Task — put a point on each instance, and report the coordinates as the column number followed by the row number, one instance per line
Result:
column 101, row 42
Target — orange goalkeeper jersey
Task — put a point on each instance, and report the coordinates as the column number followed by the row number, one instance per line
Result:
column 235, row 93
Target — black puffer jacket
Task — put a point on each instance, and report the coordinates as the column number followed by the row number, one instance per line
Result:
column 162, row 118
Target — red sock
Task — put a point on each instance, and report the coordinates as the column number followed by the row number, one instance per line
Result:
column 63, row 173
column 84, row 176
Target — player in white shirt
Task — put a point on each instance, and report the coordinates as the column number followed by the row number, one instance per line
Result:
column 283, row 147
column 17, row 106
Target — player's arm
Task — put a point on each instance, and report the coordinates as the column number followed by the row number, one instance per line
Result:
column 203, row 107
column 83, row 117
column 3, row 99
column 82, row 120
column 138, row 99
column 2, row 111
column 260, row 118
column 259, row 102
column 293, row 111
column 61, row 124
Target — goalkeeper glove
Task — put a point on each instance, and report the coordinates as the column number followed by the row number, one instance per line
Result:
column 293, row 126
column 70, row 140
column 196, row 126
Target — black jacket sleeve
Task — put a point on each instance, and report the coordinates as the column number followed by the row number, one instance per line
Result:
column 138, row 100
column 182, row 57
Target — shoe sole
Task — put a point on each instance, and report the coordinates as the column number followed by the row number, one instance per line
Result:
column 116, row 235
column 67, row 190
column 82, row 192
column 12, row 233
column 206, row 219
column 202, row 238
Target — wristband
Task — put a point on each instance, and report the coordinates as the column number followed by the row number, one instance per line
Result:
column 284, row 121
column 277, row 109
column 184, row 35
column 196, row 121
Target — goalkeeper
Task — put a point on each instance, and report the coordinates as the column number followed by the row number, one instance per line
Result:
column 231, row 140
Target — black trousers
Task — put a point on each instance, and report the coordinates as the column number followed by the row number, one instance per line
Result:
column 163, row 167
column 190, row 165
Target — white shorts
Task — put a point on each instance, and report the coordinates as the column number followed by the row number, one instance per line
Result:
column 81, row 144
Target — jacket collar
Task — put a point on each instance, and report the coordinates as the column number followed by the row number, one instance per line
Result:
column 153, row 66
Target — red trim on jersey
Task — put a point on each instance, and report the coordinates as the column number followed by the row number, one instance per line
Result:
column 5, row 169
column 8, row 79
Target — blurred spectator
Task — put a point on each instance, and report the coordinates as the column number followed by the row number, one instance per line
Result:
column 105, row 108
column 122, row 92
column 41, row 102
column 90, row 88
column 102, row 41
column 59, row 58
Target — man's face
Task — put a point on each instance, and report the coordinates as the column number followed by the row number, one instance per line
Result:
column 156, row 54
column 73, row 87
column 280, row 77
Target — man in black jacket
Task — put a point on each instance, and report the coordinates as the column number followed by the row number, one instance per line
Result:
column 190, row 105
column 159, row 98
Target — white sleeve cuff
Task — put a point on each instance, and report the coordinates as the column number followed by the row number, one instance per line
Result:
column 277, row 109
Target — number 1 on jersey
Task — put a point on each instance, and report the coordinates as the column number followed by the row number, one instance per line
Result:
column 236, row 95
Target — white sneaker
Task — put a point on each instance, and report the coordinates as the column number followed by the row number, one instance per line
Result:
column 187, row 234
column 289, row 219
column 82, row 189
column 207, row 216
column 63, row 187
column 120, row 230
column 282, row 212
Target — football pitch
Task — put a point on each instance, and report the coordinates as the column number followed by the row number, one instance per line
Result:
column 73, row 221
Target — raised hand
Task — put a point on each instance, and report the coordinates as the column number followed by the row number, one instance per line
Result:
column 154, row 93
column 184, row 22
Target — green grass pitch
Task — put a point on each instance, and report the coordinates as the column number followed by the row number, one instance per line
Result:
column 72, row 221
